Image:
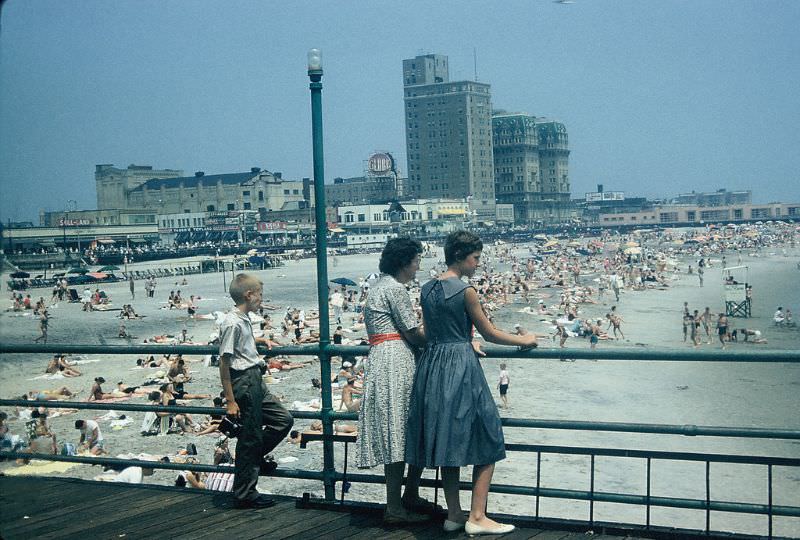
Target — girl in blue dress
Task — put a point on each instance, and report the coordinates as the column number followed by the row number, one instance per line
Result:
column 453, row 420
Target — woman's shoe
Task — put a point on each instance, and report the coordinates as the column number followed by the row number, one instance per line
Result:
column 405, row 518
column 452, row 526
column 473, row 529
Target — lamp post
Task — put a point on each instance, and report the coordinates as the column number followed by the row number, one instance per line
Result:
column 315, row 76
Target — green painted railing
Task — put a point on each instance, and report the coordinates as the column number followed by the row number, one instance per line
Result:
column 330, row 476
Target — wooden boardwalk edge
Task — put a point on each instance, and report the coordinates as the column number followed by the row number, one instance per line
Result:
column 63, row 508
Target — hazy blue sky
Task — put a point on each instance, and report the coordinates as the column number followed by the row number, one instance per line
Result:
column 658, row 97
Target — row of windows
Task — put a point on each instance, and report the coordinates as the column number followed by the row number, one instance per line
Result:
column 183, row 222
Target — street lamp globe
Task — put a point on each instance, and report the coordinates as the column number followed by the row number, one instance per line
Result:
column 314, row 61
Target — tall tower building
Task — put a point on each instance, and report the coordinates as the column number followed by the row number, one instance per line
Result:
column 531, row 161
column 448, row 135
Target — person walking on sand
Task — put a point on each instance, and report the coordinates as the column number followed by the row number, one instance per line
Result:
column 706, row 319
column 695, row 328
column 722, row 328
column 453, row 419
column 44, row 321
column 502, row 385
column 615, row 321
column 132, row 287
column 265, row 422
column 687, row 323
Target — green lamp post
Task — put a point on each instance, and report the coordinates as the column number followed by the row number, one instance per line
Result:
column 315, row 75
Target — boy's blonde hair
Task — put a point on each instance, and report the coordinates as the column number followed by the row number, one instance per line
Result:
column 241, row 284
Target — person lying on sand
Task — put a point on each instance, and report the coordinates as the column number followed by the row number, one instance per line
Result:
column 339, row 428
column 59, row 364
column 51, row 395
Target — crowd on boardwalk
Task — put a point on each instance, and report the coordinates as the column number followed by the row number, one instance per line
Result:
column 423, row 355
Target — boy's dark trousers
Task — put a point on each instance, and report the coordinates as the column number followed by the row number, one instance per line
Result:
column 265, row 423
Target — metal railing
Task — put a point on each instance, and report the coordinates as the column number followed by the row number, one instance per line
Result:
column 330, row 476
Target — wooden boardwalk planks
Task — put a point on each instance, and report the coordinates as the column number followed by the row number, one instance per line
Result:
column 56, row 508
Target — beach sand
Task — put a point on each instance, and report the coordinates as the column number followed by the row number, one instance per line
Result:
column 722, row 394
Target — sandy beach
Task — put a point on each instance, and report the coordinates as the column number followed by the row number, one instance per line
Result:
column 719, row 394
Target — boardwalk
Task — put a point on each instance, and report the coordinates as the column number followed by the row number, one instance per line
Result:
column 45, row 508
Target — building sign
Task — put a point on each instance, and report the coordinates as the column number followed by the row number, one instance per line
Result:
column 380, row 163
column 63, row 222
column 271, row 225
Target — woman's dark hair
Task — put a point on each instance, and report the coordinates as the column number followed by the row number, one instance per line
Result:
column 398, row 253
column 155, row 395
column 459, row 245
column 100, row 380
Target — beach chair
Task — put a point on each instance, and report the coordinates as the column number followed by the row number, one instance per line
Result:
column 73, row 295
column 219, row 481
column 163, row 427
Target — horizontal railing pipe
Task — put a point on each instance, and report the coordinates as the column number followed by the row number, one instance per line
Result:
column 119, row 464
column 654, row 454
column 677, row 355
column 664, row 429
column 134, row 407
column 597, row 496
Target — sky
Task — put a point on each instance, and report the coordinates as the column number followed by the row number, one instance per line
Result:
column 658, row 98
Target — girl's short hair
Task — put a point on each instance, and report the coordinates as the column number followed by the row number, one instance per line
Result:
column 398, row 253
column 459, row 245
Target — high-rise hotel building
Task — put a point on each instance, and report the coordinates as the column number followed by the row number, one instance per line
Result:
column 531, row 158
column 448, row 135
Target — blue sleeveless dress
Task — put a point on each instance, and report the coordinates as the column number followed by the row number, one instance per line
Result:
column 453, row 419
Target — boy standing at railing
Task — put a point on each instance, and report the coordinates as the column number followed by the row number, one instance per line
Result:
column 265, row 422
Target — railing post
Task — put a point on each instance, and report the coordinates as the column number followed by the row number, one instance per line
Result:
column 538, row 480
column 647, row 523
column 591, row 492
column 708, row 496
column 315, row 75
column 769, row 499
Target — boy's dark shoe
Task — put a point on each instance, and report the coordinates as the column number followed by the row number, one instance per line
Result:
column 268, row 466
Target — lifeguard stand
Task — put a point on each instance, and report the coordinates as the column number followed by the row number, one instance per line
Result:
column 737, row 291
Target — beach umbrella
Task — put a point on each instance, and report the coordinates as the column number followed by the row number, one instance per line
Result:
column 574, row 243
column 252, row 252
column 551, row 243
column 97, row 275
column 20, row 275
column 78, row 270
column 108, row 268
column 631, row 244
column 344, row 281
column 633, row 251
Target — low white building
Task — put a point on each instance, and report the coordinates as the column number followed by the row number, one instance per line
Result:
column 417, row 211
column 367, row 241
